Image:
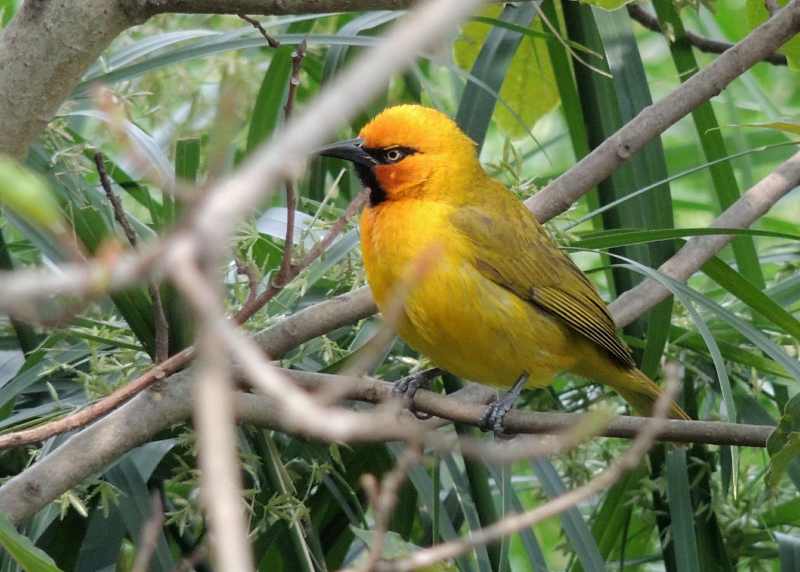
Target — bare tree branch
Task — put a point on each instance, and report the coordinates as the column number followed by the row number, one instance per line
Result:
column 702, row 43
column 92, row 449
column 655, row 119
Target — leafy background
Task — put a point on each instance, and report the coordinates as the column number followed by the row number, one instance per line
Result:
column 537, row 85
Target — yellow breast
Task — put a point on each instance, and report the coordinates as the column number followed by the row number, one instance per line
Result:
column 464, row 322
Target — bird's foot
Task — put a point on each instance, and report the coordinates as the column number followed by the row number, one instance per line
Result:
column 492, row 419
column 406, row 388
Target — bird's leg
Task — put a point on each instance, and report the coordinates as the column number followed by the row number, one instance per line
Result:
column 407, row 387
column 492, row 418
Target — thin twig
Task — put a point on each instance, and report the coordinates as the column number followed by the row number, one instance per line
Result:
column 291, row 198
column 116, row 205
column 383, row 497
column 251, row 273
column 247, row 310
column 160, row 323
column 468, row 410
column 97, row 410
column 271, row 40
column 189, row 563
column 702, row 43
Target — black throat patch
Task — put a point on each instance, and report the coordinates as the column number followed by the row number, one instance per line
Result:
column 377, row 194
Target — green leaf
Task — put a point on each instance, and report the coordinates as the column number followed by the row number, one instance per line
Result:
column 608, row 4
column 608, row 526
column 7, row 10
column 22, row 550
column 469, row 509
column 623, row 237
column 783, row 444
column 28, row 195
column 681, row 511
column 26, row 336
column 785, row 513
column 578, row 534
column 422, row 483
column 787, row 126
column 779, row 460
column 135, row 503
column 722, row 176
column 756, row 299
column 533, row 550
column 268, row 109
column 513, row 64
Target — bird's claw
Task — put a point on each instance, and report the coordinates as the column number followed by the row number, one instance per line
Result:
column 493, row 417
column 406, row 388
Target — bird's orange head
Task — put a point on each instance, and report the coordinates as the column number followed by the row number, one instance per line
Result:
column 410, row 151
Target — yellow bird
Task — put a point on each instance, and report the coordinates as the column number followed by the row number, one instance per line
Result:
column 502, row 304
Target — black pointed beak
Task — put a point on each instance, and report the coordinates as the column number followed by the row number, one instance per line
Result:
column 351, row 150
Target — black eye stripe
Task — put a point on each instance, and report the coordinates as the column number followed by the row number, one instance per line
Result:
column 389, row 155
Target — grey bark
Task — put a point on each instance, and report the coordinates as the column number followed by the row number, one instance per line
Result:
column 44, row 51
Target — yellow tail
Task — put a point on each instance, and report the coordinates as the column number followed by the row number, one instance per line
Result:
column 642, row 392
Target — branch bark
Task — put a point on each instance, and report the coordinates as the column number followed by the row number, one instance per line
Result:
column 94, row 448
column 700, row 249
column 559, row 195
column 707, row 45
column 44, row 51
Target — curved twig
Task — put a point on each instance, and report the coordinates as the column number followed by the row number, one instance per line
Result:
column 702, row 43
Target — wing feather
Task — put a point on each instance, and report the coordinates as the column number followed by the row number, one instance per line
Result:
column 537, row 271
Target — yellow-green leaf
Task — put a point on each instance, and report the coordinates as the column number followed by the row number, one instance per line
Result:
column 22, row 550
column 608, row 4
column 786, row 126
column 27, row 195
column 529, row 87
column 757, row 14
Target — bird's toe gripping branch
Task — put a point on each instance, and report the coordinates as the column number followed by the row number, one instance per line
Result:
column 492, row 419
column 406, row 388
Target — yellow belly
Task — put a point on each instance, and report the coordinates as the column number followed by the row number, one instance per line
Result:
column 461, row 320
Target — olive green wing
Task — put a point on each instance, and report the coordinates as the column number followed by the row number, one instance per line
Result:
column 513, row 250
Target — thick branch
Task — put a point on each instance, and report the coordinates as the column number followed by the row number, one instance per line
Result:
column 44, row 51
column 657, row 118
column 152, row 411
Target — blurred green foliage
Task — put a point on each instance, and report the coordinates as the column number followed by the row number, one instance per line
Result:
column 200, row 92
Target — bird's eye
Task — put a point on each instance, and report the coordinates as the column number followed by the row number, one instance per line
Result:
column 393, row 155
